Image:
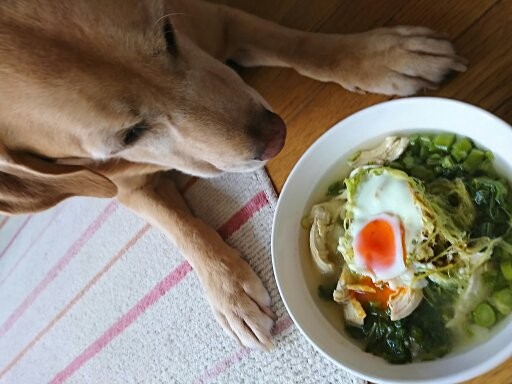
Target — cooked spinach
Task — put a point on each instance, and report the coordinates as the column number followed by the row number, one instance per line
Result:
column 335, row 188
column 420, row 336
column 493, row 205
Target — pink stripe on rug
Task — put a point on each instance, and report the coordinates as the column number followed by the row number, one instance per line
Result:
column 240, row 218
column 224, row 365
column 282, row 325
column 56, row 213
column 61, row 264
column 15, row 236
column 76, row 298
column 149, row 299
column 229, row 361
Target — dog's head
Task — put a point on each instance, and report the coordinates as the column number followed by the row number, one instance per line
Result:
column 116, row 79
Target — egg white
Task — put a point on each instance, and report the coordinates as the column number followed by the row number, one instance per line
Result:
column 384, row 193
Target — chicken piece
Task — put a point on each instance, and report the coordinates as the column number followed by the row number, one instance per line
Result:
column 354, row 312
column 390, row 149
column 317, row 236
column 403, row 302
column 341, row 294
column 324, row 215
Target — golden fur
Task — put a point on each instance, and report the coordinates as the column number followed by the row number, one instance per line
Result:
column 100, row 98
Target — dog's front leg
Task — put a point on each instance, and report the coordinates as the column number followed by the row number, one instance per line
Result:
column 393, row 61
column 238, row 299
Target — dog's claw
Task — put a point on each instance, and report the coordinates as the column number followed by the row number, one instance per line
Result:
column 269, row 345
column 269, row 312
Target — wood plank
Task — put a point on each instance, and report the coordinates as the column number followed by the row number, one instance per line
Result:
column 452, row 17
column 488, row 46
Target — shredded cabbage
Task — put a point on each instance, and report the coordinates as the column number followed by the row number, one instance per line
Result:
column 445, row 254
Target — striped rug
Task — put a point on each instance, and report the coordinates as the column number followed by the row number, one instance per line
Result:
column 90, row 293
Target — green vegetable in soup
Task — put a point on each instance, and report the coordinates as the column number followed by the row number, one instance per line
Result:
column 448, row 163
column 461, row 149
column 494, row 279
column 491, row 198
column 335, row 188
column 473, row 160
column 484, row 315
column 444, row 141
column 422, row 172
column 506, row 269
column 420, row 336
column 502, row 300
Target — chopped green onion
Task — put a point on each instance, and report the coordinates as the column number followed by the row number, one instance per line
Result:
column 484, row 315
column 427, row 145
column 444, row 141
column 461, row 148
column 425, row 140
column 506, row 269
column 434, row 159
column 473, row 160
column 487, row 167
column 447, row 162
column 502, row 300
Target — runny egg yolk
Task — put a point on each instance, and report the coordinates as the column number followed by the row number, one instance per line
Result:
column 380, row 296
column 379, row 247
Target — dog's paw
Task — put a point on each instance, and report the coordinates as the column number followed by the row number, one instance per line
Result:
column 395, row 61
column 239, row 301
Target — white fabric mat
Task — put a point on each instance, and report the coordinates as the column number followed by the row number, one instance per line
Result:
column 89, row 293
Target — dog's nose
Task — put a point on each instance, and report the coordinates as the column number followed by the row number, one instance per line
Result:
column 270, row 134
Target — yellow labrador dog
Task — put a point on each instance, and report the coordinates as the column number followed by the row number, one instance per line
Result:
column 101, row 97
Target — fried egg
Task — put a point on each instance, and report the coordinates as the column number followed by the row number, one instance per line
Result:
column 386, row 224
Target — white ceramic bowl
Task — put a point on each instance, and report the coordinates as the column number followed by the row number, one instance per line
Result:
column 290, row 249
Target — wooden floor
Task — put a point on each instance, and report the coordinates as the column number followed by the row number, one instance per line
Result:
column 480, row 29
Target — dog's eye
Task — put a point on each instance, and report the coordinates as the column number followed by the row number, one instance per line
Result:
column 170, row 38
column 134, row 133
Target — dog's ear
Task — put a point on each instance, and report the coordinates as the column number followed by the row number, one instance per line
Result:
column 30, row 184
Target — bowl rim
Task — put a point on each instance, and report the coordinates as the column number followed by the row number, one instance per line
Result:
column 487, row 364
